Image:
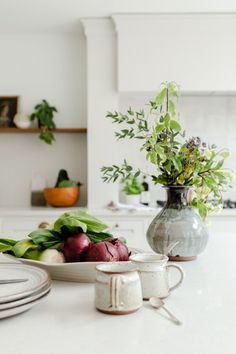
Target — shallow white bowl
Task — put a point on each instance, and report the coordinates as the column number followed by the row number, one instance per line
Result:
column 82, row 272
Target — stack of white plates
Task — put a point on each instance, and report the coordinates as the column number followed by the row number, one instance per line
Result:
column 17, row 297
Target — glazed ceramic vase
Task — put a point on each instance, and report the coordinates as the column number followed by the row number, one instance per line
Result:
column 178, row 230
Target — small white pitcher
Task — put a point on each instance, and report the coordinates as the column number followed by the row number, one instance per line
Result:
column 117, row 288
column 153, row 270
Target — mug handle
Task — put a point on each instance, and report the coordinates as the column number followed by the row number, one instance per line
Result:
column 115, row 286
column 182, row 275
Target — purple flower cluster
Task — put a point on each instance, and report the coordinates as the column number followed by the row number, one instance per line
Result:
column 193, row 143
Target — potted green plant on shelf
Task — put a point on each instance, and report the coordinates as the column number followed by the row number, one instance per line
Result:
column 132, row 189
column 65, row 193
column 44, row 113
column 190, row 170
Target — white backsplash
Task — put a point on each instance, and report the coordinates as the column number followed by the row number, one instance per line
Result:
column 212, row 118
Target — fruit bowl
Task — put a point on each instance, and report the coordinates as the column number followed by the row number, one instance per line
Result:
column 62, row 197
column 81, row 272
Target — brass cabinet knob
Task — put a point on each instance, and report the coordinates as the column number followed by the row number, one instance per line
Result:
column 43, row 225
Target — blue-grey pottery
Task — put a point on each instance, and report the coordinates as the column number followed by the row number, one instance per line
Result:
column 179, row 224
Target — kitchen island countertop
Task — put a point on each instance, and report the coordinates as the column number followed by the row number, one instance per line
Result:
column 66, row 321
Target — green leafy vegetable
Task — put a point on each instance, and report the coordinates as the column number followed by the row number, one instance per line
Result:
column 79, row 219
column 68, row 224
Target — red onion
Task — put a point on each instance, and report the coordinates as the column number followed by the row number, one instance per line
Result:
column 121, row 248
column 75, row 247
column 102, row 252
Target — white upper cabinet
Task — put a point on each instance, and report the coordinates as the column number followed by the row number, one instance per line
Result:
column 198, row 51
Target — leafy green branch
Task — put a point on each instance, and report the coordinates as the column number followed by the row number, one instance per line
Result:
column 132, row 118
column 112, row 173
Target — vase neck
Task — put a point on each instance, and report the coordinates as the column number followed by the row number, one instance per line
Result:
column 177, row 197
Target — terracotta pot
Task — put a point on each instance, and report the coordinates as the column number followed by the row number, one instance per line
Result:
column 61, row 197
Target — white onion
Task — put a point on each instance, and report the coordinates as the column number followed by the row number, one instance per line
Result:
column 52, row 256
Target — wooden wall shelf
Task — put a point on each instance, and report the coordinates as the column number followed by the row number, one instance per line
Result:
column 38, row 130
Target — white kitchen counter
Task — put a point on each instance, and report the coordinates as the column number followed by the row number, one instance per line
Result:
column 34, row 211
column 66, row 321
column 50, row 211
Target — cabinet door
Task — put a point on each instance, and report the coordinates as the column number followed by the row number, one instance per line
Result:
column 20, row 227
column 131, row 230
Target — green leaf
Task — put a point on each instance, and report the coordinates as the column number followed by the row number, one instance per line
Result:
column 68, row 184
column 70, row 222
column 161, row 96
column 79, row 219
column 219, row 175
column 43, row 235
column 137, row 174
column 52, row 245
column 210, row 182
column 98, row 237
column 175, row 125
column 8, row 241
column 202, row 210
column 173, row 88
column 159, row 128
column 6, row 244
column 47, row 137
column 167, row 121
column 171, row 108
column 218, row 165
column 177, row 163
column 20, row 248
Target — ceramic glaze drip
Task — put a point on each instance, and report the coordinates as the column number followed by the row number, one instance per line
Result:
column 177, row 221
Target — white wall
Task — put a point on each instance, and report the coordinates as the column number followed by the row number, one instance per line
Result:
column 35, row 67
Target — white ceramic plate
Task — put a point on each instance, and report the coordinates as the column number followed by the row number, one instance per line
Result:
column 37, row 279
column 8, row 305
column 19, row 309
column 82, row 272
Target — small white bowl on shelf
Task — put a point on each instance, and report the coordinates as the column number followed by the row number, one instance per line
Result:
column 22, row 121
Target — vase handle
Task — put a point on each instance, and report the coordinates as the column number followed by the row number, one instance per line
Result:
column 182, row 275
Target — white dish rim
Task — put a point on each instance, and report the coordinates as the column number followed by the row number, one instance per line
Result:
column 26, row 293
column 20, row 309
column 9, row 305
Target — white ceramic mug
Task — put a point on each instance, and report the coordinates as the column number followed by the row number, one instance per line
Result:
column 153, row 270
column 117, row 288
